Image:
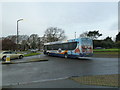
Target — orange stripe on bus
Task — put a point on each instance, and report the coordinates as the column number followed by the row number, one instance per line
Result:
column 64, row 52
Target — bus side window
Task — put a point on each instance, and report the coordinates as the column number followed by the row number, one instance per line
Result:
column 55, row 47
column 45, row 47
column 72, row 45
column 49, row 47
column 65, row 46
column 60, row 46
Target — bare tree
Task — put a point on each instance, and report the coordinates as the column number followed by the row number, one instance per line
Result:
column 40, row 43
column 20, row 38
column 12, row 38
column 32, row 40
column 91, row 34
column 84, row 34
column 54, row 34
column 8, row 44
column 24, row 45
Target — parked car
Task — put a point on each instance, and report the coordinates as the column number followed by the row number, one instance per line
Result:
column 13, row 55
column 33, row 50
column 99, row 48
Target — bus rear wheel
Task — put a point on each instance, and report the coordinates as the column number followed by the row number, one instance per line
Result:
column 48, row 54
column 66, row 55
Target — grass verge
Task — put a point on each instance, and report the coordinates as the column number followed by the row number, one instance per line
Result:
column 106, row 50
column 31, row 54
column 37, row 60
column 98, row 80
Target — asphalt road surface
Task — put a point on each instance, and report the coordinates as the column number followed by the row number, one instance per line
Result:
column 56, row 69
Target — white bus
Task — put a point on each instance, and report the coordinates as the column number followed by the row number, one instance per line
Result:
column 74, row 48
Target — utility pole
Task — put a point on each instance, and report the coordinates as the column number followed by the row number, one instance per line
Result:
column 18, row 32
column 75, row 35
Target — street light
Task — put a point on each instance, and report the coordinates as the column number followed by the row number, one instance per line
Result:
column 75, row 35
column 18, row 31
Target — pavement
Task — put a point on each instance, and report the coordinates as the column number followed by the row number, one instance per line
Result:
column 55, row 72
column 63, row 83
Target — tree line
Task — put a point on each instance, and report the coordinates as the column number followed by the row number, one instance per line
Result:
column 105, row 43
column 51, row 34
column 34, row 41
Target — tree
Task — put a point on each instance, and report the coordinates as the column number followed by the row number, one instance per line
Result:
column 107, row 43
column 12, row 38
column 97, row 43
column 91, row 34
column 32, row 40
column 8, row 44
column 24, row 45
column 118, row 37
column 20, row 38
column 108, row 39
column 54, row 34
column 40, row 43
column 94, row 34
column 84, row 34
column 118, row 44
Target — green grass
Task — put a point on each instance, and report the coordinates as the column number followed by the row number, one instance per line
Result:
column 105, row 53
column 98, row 80
column 106, row 50
column 37, row 60
column 31, row 54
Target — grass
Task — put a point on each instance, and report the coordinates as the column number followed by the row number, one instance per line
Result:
column 106, row 50
column 113, row 51
column 31, row 54
column 106, row 53
column 37, row 60
column 98, row 80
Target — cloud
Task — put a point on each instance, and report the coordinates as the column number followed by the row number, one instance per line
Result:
column 71, row 17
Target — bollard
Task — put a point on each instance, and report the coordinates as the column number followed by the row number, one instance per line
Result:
column 7, row 58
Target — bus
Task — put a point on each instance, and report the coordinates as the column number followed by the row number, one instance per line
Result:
column 74, row 48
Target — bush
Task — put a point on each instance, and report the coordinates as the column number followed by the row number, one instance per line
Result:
column 117, row 44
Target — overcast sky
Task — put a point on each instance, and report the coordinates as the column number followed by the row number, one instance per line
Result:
column 70, row 16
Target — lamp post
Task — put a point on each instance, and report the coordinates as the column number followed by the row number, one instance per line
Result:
column 18, row 32
column 75, row 35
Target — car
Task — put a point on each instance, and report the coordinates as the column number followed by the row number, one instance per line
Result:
column 33, row 50
column 13, row 55
column 99, row 48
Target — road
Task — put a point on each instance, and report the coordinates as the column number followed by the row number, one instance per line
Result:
column 56, row 68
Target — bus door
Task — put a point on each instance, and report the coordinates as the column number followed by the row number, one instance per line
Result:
column 87, row 46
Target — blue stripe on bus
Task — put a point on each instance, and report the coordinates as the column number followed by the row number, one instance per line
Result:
column 71, row 56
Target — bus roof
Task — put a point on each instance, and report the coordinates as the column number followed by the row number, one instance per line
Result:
column 59, row 42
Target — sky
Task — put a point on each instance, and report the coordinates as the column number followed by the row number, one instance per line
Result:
column 72, row 17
